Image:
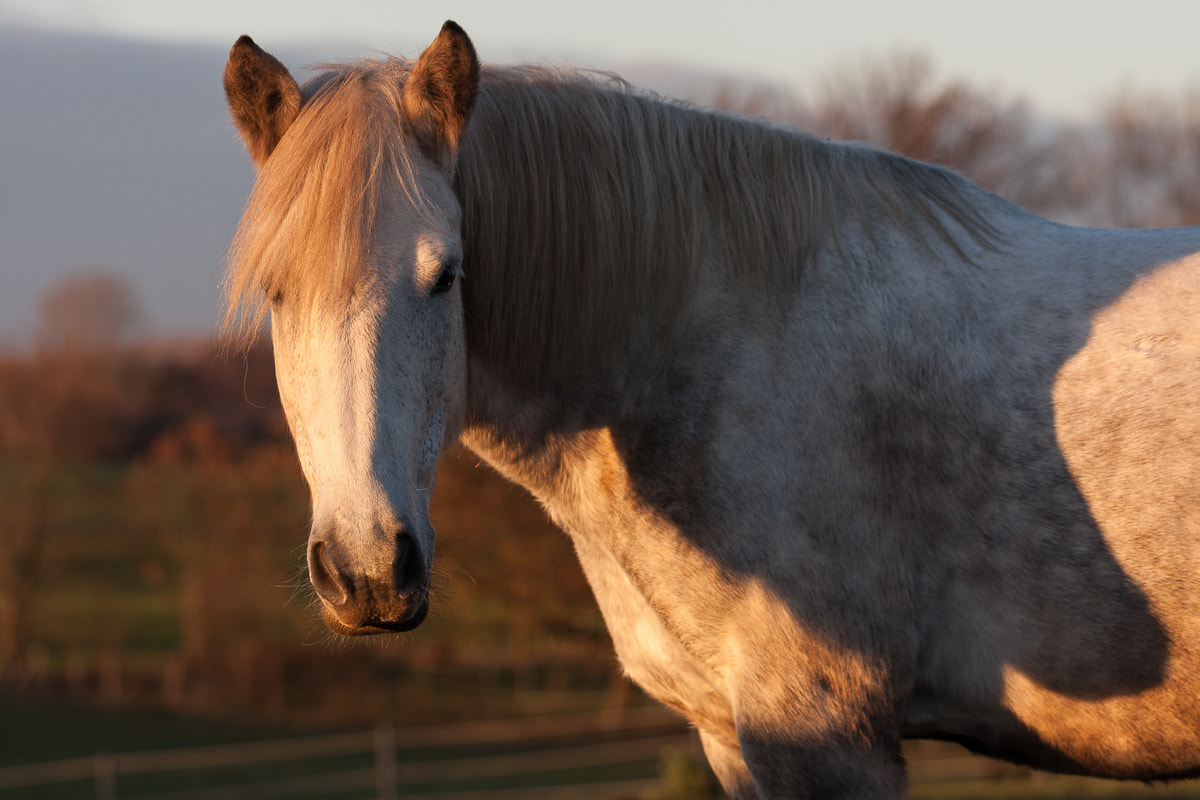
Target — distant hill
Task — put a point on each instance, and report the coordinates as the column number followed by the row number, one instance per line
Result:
column 118, row 154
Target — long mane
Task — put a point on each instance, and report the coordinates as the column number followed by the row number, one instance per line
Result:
column 591, row 211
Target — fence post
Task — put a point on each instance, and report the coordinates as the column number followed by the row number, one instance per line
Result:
column 106, row 776
column 387, row 778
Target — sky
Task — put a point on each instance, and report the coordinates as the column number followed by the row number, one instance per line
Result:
column 1065, row 56
column 116, row 151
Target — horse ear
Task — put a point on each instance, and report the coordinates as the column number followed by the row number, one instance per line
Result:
column 440, row 92
column 263, row 97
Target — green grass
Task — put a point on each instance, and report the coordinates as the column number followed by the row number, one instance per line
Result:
column 1053, row 787
column 34, row 729
column 943, row 771
column 37, row 729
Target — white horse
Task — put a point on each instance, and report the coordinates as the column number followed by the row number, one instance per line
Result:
column 850, row 449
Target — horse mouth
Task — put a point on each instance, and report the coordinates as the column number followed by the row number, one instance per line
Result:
column 374, row 627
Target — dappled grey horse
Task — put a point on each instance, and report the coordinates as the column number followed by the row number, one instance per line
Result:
column 850, row 449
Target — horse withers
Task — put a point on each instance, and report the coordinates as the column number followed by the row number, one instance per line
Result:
column 850, row 449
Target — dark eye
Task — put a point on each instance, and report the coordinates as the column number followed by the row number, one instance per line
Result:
column 446, row 278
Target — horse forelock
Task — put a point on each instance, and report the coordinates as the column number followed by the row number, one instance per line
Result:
column 306, row 231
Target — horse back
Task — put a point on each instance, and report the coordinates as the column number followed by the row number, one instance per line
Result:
column 1038, row 444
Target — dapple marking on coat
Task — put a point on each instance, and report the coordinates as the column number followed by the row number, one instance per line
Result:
column 850, row 449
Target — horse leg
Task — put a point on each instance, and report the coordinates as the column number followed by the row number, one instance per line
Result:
column 845, row 770
column 726, row 761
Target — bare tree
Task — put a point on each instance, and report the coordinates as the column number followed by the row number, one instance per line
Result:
column 898, row 103
column 1148, row 158
column 50, row 407
column 88, row 312
column 22, row 533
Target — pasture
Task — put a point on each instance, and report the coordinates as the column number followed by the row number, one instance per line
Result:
column 639, row 754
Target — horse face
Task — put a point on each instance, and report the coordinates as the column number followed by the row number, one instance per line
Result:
column 372, row 392
column 374, row 383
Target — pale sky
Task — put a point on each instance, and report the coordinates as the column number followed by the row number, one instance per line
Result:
column 1064, row 56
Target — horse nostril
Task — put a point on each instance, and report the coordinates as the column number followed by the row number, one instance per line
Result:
column 408, row 566
column 328, row 584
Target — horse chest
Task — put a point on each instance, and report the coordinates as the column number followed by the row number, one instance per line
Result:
column 651, row 652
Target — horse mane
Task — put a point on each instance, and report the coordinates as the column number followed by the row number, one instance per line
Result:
column 590, row 210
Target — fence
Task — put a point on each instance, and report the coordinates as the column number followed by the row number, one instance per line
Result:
column 538, row 756
column 581, row 757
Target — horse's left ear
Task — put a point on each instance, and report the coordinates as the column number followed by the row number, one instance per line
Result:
column 263, row 97
column 440, row 93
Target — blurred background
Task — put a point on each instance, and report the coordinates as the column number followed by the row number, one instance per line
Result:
column 152, row 514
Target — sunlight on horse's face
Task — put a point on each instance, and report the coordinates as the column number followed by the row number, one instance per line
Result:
column 353, row 232
column 373, row 387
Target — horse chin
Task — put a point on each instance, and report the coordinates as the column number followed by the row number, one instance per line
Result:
column 373, row 627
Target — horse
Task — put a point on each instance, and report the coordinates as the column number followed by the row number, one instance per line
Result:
column 850, row 449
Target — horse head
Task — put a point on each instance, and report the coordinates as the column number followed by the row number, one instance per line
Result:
column 352, row 238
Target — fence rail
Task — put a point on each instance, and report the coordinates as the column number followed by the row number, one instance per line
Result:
column 645, row 734
column 444, row 763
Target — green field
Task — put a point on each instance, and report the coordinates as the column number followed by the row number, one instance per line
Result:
column 642, row 753
column 158, row 754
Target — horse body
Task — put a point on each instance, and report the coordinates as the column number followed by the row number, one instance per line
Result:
column 923, row 534
column 850, row 450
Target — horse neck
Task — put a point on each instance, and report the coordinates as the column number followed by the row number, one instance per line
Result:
column 581, row 273
column 605, row 269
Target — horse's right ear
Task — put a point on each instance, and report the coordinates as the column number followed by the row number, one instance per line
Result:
column 263, row 97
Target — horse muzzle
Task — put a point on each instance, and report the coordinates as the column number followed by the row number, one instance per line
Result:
column 358, row 600
column 372, row 626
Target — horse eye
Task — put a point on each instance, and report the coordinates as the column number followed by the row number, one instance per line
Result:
column 446, row 279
